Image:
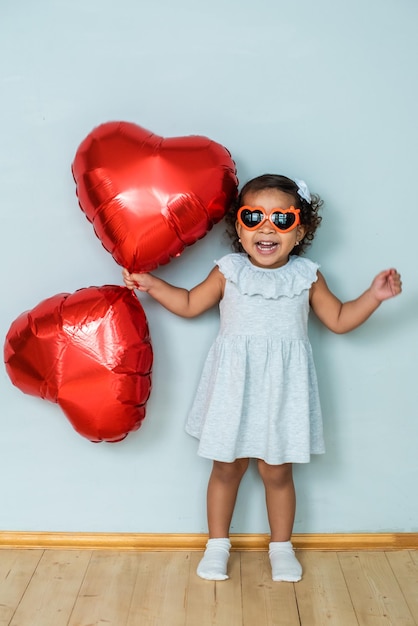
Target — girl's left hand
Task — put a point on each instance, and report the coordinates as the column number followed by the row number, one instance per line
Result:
column 387, row 284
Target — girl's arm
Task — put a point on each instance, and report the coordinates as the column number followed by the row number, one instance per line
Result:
column 177, row 300
column 341, row 317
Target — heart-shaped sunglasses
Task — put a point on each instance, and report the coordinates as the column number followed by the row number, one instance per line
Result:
column 283, row 220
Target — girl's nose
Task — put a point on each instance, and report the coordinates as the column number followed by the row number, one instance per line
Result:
column 266, row 227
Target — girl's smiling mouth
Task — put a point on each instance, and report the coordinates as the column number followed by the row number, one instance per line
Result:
column 266, row 246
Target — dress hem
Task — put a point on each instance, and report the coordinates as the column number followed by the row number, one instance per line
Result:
column 305, row 461
column 291, row 459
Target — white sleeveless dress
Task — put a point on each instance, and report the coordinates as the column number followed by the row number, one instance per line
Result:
column 258, row 394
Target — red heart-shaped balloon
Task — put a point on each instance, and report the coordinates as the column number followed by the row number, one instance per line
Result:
column 90, row 352
column 149, row 197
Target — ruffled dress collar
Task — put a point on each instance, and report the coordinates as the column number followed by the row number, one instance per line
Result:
column 289, row 280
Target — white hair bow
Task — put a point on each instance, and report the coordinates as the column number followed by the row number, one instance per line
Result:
column 303, row 190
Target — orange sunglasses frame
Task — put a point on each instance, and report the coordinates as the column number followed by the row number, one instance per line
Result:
column 260, row 209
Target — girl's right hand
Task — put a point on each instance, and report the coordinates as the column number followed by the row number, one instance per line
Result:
column 143, row 282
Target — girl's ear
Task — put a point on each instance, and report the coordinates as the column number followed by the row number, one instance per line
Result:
column 301, row 231
column 238, row 228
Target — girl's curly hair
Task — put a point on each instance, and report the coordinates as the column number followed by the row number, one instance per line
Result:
column 308, row 210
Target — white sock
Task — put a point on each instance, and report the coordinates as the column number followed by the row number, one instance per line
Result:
column 284, row 564
column 214, row 564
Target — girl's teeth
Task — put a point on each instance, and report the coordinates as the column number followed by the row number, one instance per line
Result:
column 266, row 244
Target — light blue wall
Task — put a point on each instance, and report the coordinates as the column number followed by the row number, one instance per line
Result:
column 326, row 91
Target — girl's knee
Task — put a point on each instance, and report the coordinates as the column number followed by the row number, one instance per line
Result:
column 230, row 471
column 277, row 475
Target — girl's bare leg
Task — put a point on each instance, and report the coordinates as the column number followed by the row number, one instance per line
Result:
column 221, row 497
column 222, row 493
column 281, row 506
column 280, row 498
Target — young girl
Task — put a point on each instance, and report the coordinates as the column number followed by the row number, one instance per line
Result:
column 258, row 396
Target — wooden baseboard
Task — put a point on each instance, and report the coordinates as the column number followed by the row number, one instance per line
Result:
column 160, row 542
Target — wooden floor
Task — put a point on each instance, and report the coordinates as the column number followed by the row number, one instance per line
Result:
column 129, row 588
